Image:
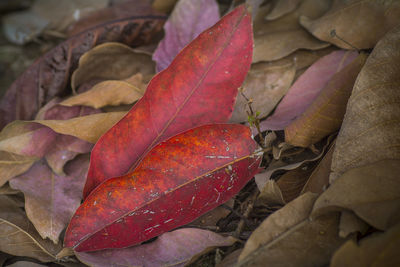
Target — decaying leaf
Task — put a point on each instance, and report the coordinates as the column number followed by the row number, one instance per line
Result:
column 271, row 194
column 12, row 165
column 350, row 224
column 164, row 6
column 372, row 192
column 19, row 237
column 49, row 75
column 265, row 85
column 199, row 87
column 292, row 182
column 176, row 182
column 288, row 237
column 278, row 38
column 324, row 116
column 111, row 61
column 282, row 7
column 50, row 199
column 306, row 89
column 112, row 93
column 371, row 125
column 378, row 249
column 170, row 249
column 188, row 19
column 359, row 22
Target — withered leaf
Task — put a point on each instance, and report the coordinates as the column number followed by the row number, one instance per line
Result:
column 282, row 7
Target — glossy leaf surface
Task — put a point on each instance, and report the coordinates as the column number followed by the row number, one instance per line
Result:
column 199, row 87
column 180, row 179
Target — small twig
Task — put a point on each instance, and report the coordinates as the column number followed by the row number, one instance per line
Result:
column 247, row 222
column 251, row 200
column 334, row 34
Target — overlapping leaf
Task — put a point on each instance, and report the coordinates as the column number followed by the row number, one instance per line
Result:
column 199, row 87
column 177, row 181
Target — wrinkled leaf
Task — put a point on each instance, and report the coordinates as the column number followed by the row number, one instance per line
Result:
column 325, row 115
column 372, row 192
column 170, row 249
column 111, row 61
column 19, row 237
column 306, row 89
column 50, row 199
column 113, row 93
column 179, row 180
column 265, row 85
column 278, row 38
column 188, row 19
column 370, row 127
column 49, row 75
column 378, row 249
column 360, row 23
column 199, row 87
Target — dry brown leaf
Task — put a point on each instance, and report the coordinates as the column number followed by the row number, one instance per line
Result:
column 282, row 7
column 292, row 182
column 370, row 129
column 164, row 6
column 109, row 93
column 278, row 38
column 324, row 116
column 372, row 192
column 88, row 128
column 271, row 194
column 360, row 22
column 230, row 260
column 265, row 84
column 111, row 61
column 378, row 249
column 12, row 165
column 19, row 237
column 7, row 190
column 212, row 217
column 289, row 238
column 350, row 223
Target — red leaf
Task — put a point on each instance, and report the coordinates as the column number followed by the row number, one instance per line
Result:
column 179, row 180
column 199, row 87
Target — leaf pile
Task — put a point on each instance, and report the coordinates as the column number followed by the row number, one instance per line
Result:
column 135, row 140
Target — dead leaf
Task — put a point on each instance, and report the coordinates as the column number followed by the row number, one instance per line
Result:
column 282, row 7
column 371, row 125
column 306, row 89
column 278, row 38
column 12, row 165
column 271, row 194
column 19, row 237
column 265, row 84
column 50, row 199
column 7, row 190
column 378, row 249
column 372, row 192
column 212, row 217
column 292, row 182
column 231, row 259
column 361, row 23
column 170, row 249
column 325, row 114
column 26, row 264
column 350, row 223
column 111, row 61
column 164, row 6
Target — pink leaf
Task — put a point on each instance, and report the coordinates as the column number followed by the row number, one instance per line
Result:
column 188, row 19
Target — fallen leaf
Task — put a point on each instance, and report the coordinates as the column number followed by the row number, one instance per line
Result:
column 231, row 259
column 306, row 89
column 370, row 127
column 212, row 217
column 372, row 192
column 271, row 194
column 292, row 182
column 325, row 114
column 188, row 19
column 179, row 180
column 49, row 75
column 164, row 6
column 199, row 87
column 170, row 249
column 50, row 199
column 378, row 249
column 25, row 264
column 282, row 7
column 278, row 38
column 111, row 61
column 288, row 237
column 350, row 224
column 54, row 111
column 113, row 93
column 7, row 190
column 361, row 23
column 19, row 237
column 12, row 165
column 265, row 85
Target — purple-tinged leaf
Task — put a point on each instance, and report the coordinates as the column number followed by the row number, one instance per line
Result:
column 306, row 89
column 188, row 19
column 170, row 249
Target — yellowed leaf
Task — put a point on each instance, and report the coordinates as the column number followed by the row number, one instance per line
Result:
column 372, row 192
column 111, row 61
column 370, row 129
column 359, row 22
column 378, row 249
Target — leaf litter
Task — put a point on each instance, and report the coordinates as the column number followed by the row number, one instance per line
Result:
column 352, row 213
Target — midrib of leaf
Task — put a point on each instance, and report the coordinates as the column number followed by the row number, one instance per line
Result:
column 155, row 141
column 28, row 236
column 254, row 154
